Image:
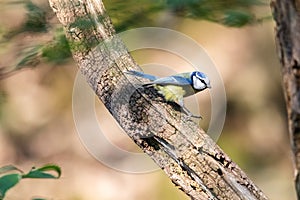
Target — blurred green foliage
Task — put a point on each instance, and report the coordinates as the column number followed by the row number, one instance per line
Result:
column 132, row 14
column 30, row 57
column 125, row 15
column 215, row 10
column 233, row 13
column 57, row 50
column 35, row 19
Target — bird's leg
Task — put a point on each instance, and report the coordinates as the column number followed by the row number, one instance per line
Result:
column 189, row 113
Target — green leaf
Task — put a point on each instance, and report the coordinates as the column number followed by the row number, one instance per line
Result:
column 10, row 180
column 43, row 172
column 7, row 182
column 9, row 168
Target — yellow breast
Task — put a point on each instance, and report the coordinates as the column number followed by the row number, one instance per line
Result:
column 171, row 92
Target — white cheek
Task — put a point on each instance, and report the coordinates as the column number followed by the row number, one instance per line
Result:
column 198, row 85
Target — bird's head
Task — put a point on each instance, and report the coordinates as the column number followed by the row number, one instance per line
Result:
column 200, row 81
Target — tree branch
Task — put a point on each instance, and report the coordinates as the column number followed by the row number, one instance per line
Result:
column 287, row 16
column 183, row 150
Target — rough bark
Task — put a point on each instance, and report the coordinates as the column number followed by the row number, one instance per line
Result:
column 183, row 150
column 287, row 16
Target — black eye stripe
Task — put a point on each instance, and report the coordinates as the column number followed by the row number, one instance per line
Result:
column 199, row 78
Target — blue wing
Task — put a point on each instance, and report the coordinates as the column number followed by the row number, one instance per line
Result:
column 171, row 80
column 142, row 75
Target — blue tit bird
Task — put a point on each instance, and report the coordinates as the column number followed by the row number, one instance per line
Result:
column 174, row 88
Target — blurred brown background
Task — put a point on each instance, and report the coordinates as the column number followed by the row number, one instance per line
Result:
column 37, row 127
